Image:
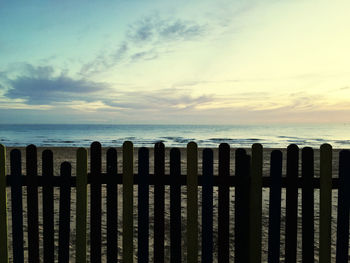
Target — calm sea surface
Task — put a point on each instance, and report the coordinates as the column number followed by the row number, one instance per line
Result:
column 271, row 136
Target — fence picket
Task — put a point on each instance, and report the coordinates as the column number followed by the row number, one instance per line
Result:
column 81, row 210
column 64, row 213
column 342, row 253
column 325, row 203
column 242, row 253
column 192, row 202
column 95, row 202
column 275, row 207
column 143, row 205
column 307, row 205
column 207, row 206
column 32, row 204
column 159, row 202
column 175, row 205
column 256, row 203
column 128, row 201
column 3, row 206
column 112, row 206
column 291, row 203
column 17, row 206
column 48, row 219
column 224, row 202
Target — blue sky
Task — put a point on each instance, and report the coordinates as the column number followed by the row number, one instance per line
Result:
column 169, row 62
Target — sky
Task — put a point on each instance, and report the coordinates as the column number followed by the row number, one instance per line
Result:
column 175, row 62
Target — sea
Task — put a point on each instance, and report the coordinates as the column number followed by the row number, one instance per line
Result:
column 269, row 135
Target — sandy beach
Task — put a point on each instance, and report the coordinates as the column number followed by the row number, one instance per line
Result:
column 68, row 154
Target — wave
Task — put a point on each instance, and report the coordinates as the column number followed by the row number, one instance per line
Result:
column 173, row 135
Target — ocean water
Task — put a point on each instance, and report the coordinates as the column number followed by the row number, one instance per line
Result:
column 270, row 136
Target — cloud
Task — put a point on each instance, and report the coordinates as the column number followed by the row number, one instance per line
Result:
column 192, row 83
column 144, row 55
column 40, row 90
column 85, row 106
column 39, row 86
column 144, row 40
column 39, row 71
column 105, row 61
column 162, row 100
column 155, row 28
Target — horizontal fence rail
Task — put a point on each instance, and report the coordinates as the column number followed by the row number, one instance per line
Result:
column 117, row 178
column 247, row 181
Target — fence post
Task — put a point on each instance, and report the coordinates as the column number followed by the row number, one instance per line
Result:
column 224, row 203
column 17, row 206
column 95, row 202
column 291, row 203
column 32, row 203
column 159, row 164
column 275, row 207
column 143, row 205
column 3, row 206
column 343, row 208
column 112, row 205
column 192, row 202
column 325, row 202
column 48, row 207
column 175, row 205
column 64, row 213
column 242, row 253
column 128, row 201
column 307, row 205
column 81, row 210
column 255, row 203
column 207, row 206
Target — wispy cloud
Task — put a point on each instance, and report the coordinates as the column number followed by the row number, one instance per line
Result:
column 144, row 55
column 144, row 40
column 159, row 100
column 154, row 28
column 105, row 60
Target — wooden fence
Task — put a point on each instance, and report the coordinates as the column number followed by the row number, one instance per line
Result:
column 248, row 182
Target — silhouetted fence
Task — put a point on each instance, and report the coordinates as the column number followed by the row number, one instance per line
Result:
column 248, row 182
